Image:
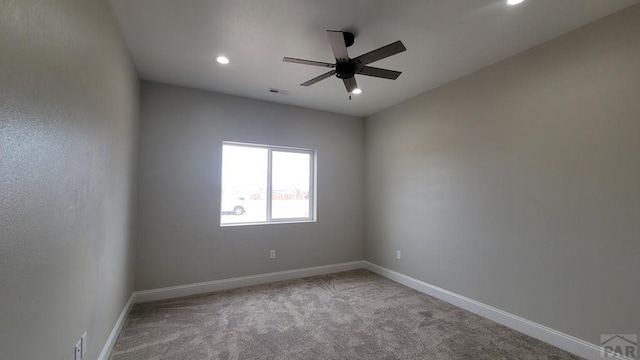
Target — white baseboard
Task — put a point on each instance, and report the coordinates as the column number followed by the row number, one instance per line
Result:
column 232, row 283
column 115, row 332
column 556, row 338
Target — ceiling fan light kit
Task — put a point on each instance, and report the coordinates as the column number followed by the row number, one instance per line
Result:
column 346, row 68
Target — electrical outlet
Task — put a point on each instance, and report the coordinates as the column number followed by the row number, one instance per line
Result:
column 77, row 355
column 398, row 254
column 83, row 339
column 272, row 254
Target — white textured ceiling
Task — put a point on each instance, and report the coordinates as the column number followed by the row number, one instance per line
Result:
column 176, row 42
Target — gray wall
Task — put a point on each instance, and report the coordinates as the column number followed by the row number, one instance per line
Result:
column 68, row 115
column 180, row 240
column 518, row 185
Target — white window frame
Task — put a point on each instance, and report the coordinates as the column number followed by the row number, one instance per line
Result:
column 312, row 183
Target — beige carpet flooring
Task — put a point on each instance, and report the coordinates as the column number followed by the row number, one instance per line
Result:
column 350, row 315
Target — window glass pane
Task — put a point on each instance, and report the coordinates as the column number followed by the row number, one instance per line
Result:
column 290, row 185
column 244, row 184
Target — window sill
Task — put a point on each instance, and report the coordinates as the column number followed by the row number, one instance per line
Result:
column 287, row 221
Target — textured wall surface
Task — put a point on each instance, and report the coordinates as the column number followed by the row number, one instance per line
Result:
column 518, row 186
column 180, row 240
column 68, row 120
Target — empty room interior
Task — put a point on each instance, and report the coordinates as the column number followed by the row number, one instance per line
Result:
column 336, row 179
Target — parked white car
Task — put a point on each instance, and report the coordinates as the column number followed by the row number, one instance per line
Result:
column 232, row 204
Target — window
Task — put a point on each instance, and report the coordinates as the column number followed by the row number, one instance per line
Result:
column 266, row 184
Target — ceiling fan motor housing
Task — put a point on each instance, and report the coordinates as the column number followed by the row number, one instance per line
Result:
column 345, row 69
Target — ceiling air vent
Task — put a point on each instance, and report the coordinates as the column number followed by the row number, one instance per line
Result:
column 278, row 91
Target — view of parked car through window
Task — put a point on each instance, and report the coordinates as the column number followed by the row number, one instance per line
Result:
column 266, row 184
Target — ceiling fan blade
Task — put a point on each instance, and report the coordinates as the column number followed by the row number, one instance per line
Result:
column 379, row 73
column 319, row 78
column 381, row 53
column 350, row 84
column 308, row 62
column 336, row 39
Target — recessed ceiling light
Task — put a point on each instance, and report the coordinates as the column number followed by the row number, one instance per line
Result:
column 357, row 91
column 514, row 2
column 222, row 60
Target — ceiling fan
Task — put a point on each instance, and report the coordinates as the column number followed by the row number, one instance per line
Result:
column 346, row 68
